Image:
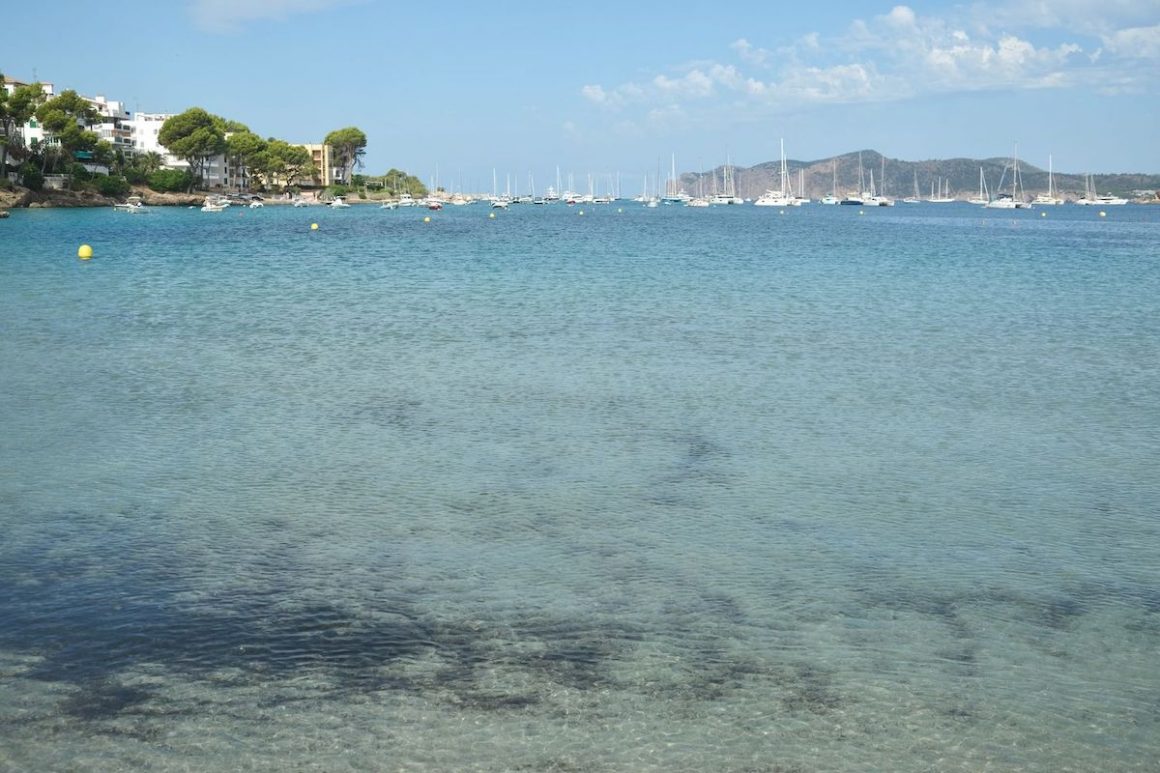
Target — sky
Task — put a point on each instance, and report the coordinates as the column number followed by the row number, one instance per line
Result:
column 456, row 91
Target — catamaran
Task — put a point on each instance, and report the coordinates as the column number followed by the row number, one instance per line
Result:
column 1012, row 200
column 779, row 198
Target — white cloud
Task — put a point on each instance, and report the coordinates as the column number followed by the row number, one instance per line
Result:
column 224, row 16
column 902, row 17
column 1076, row 16
column 694, row 84
column 1136, row 42
column 841, row 83
column 595, row 93
column 903, row 54
column 748, row 53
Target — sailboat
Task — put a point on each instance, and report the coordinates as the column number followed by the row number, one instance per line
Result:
column 880, row 198
column 833, row 197
column 778, row 198
column 855, row 199
column 728, row 194
column 673, row 192
column 943, row 194
column 802, row 198
column 876, row 199
column 700, row 201
column 913, row 199
column 1012, row 200
column 871, row 197
column 984, row 196
column 1090, row 197
column 1049, row 198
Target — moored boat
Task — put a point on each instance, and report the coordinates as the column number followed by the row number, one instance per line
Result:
column 133, row 205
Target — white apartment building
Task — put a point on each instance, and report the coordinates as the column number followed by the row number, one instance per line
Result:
column 114, row 125
column 216, row 174
column 137, row 133
column 32, row 132
column 144, row 128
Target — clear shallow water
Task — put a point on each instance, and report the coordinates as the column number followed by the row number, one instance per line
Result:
column 640, row 490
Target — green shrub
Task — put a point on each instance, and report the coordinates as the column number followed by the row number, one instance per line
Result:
column 113, row 185
column 79, row 174
column 31, row 178
column 170, row 180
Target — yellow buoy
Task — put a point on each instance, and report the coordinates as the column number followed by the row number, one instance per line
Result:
column 427, row 219
column 1103, row 214
column 85, row 252
column 314, row 226
column 491, row 215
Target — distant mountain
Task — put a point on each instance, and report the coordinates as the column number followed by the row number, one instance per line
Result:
column 962, row 175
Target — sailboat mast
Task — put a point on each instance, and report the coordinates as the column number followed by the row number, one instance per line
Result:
column 784, row 172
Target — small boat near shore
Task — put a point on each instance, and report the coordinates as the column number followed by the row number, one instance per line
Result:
column 132, row 205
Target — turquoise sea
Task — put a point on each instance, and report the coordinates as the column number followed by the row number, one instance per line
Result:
column 627, row 490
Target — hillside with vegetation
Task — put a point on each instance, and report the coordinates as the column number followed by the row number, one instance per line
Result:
column 896, row 177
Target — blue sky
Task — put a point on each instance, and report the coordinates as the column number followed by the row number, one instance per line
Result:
column 605, row 87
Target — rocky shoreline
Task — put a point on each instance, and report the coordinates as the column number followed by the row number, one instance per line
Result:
column 20, row 198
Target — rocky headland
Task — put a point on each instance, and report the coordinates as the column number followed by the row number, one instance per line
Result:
column 18, row 197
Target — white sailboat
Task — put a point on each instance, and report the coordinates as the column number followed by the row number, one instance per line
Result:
column 984, row 196
column 876, row 199
column 778, row 198
column 833, row 197
column 879, row 198
column 943, row 193
column 1090, row 198
column 802, row 198
column 913, row 199
column 1014, row 199
column 855, row 199
column 673, row 192
column 700, row 201
column 728, row 194
column 1049, row 198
